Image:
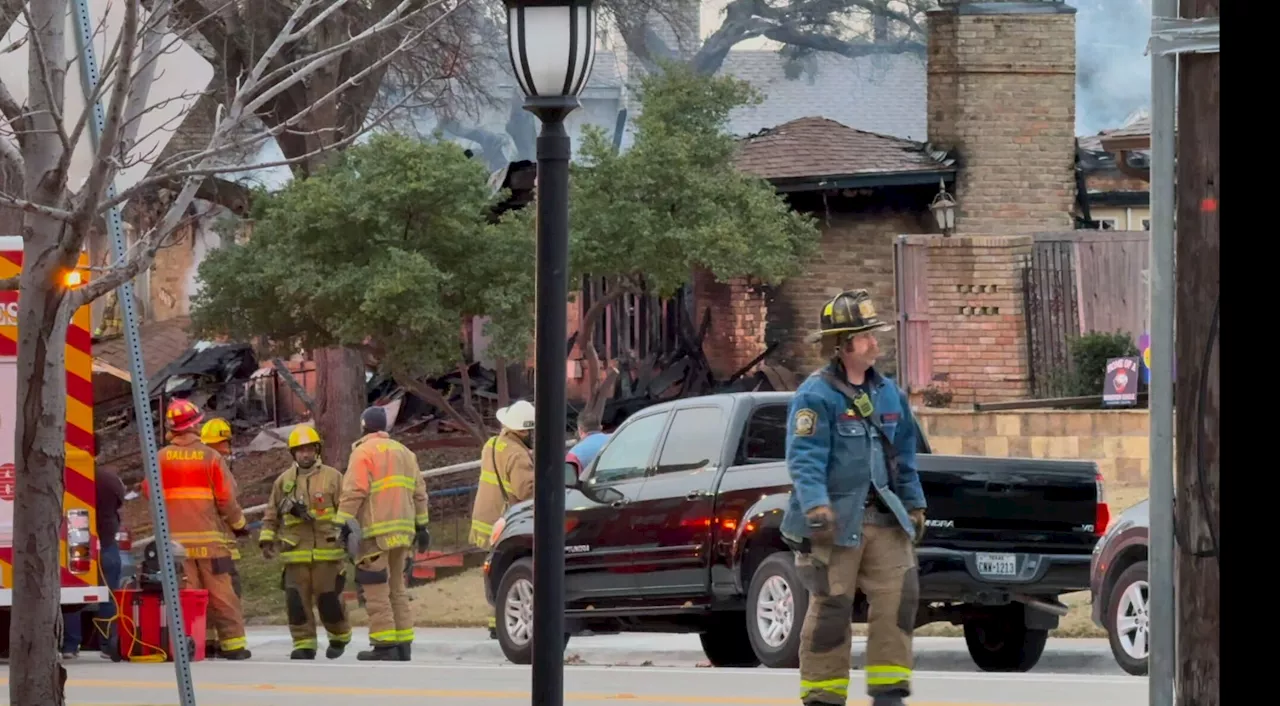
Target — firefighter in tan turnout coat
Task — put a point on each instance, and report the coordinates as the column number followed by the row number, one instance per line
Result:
column 383, row 514
column 299, row 525
column 506, row 471
column 506, row 475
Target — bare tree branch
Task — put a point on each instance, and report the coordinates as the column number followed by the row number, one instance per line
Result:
column 105, row 161
column 9, row 284
column 32, row 207
column 39, row 65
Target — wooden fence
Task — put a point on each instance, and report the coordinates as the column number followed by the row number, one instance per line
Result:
column 1080, row 282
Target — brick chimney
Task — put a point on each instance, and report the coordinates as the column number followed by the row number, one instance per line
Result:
column 1002, row 81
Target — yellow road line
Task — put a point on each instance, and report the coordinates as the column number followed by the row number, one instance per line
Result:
column 456, row 693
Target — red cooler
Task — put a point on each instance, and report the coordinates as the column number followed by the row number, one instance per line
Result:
column 143, row 625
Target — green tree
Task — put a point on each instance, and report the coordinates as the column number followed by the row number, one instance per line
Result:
column 386, row 251
column 645, row 219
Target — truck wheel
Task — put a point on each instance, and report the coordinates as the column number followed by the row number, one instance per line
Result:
column 776, row 604
column 1127, row 620
column 725, row 642
column 515, row 613
column 1002, row 642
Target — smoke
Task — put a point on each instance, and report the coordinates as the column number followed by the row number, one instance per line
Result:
column 1113, row 76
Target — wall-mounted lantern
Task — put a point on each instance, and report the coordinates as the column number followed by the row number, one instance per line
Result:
column 944, row 210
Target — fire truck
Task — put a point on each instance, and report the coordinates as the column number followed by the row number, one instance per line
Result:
column 82, row 582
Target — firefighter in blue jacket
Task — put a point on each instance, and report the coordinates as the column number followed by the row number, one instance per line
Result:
column 855, row 510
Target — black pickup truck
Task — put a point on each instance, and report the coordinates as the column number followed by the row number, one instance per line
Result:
column 674, row 528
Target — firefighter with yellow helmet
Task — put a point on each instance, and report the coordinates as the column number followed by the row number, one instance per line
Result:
column 299, row 526
column 216, row 434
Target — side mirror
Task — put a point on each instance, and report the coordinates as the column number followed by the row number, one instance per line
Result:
column 570, row 475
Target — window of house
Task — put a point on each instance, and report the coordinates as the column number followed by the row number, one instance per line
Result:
column 1106, row 224
column 627, row 454
column 694, row 440
column 766, row 437
column 1146, row 224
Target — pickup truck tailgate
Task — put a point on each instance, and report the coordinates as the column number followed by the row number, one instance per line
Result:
column 1013, row 504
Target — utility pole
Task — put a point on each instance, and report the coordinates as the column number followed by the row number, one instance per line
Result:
column 1197, row 388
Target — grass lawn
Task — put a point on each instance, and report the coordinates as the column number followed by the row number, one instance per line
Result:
column 458, row 601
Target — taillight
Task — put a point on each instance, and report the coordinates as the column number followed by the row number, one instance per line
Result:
column 1102, row 516
column 78, row 541
column 497, row 530
column 124, row 540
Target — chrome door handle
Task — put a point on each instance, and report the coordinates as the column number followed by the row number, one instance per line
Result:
column 619, row 503
column 695, row 494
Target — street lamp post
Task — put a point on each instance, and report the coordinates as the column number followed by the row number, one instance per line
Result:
column 552, row 44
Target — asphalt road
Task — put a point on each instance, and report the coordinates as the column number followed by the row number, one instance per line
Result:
column 345, row 683
column 464, row 668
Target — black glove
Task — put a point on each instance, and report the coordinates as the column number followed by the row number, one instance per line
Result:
column 423, row 538
column 242, row 532
column 297, row 509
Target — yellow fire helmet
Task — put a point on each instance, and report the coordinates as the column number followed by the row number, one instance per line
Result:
column 215, row 431
column 303, row 435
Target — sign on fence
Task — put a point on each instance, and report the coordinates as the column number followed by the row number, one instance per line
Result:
column 1120, row 388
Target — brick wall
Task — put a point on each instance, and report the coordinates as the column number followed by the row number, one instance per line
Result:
column 1116, row 439
column 856, row 252
column 1002, row 93
column 976, row 319
column 169, row 275
column 737, row 332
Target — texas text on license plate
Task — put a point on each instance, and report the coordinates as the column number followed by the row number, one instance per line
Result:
column 997, row 564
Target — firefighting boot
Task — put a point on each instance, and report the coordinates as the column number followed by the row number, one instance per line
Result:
column 335, row 650
column 380, row 653
column 406, row 651
column 236, row 655
column 888, row 700
column 303, row 654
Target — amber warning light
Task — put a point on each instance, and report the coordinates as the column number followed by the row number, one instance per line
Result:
column 73, row 278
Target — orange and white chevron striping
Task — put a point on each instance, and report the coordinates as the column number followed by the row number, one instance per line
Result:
column 80, row 488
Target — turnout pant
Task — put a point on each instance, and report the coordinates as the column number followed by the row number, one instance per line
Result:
column 214, row 576
column 312, row 588
column 884, row 567
column 382, row 576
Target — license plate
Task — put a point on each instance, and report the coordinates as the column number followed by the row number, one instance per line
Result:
column 998, row 564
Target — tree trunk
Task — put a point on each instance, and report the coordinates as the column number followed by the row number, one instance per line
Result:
column 504, row 381
column 1197, row 382
column 341, row 397
column 35, row 637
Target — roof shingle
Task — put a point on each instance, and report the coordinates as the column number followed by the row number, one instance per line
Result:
column 811, row 148
column 162, row 343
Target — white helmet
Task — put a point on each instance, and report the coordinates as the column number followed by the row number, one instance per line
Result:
column 517, row 417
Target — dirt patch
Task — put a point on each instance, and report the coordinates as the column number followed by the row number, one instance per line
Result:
column 454, row 602
column 1123, row 497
